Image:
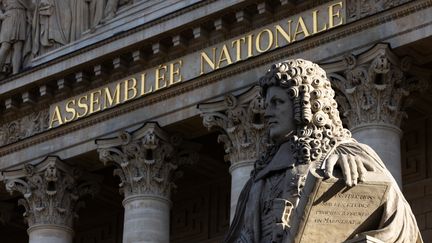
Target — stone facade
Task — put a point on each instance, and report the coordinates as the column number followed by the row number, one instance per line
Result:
column 377, row 55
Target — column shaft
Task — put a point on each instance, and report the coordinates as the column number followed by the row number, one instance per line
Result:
column 146, row 219
column 385, row 140
column 50, row 234
column 240, row 174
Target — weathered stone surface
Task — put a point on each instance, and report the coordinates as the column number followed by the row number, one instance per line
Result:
column 333, row 207
column 284, row 202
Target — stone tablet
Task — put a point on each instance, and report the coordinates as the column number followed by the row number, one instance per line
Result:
column 334, row 212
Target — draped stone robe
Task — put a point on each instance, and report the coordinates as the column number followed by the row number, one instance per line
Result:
column 258, row 217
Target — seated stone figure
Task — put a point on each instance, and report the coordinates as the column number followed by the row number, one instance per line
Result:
column 307, row 133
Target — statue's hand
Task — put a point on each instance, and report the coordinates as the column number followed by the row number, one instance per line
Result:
column 353, row 168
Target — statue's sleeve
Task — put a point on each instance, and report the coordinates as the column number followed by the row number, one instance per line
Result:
column 398, row 223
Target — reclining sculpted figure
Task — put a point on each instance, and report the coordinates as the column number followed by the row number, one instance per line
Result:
column 308, row 135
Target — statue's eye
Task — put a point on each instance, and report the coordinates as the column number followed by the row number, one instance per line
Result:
column 277, row 101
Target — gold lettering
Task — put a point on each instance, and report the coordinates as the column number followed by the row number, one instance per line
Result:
column 249, row 45
column 175, row 71
column 206, row 58
column 56, row 117
column 95, row 101
column 303, row 30
column 109, row 98
column 332, row 14
column 160, row 76
column 237, row 44
column 143, row 85
column 315, row 23
column 224, row 57
column 280, row 30
column 70, row 110
column 128, row 88
column 83, row 105
column 258, row 41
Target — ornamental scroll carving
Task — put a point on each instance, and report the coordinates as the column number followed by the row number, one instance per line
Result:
column 241, row 120
column 16, row 130
column 147, row 160
column 359, row 9
column 51, row 190
column 374, row 86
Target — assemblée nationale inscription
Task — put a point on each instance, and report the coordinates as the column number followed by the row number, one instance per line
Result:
column 341, row 210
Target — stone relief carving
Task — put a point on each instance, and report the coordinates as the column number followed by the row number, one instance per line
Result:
column 24, row 127
column 15, row 33
column 30, row 28
column 375, row 90
column 241, row 120
column 316, row 166
column 147, row 160
column 52, row 23
column 363, row 8
column 52, row 191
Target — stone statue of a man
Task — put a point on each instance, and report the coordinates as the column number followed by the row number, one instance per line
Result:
column 307, row 132
column 15, row 26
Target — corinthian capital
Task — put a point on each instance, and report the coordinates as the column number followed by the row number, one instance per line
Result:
column 51, row 191
column 372, row 88
column 241, row 121
column 147, row 160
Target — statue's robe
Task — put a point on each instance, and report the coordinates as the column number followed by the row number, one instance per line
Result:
column 14, row 26
column 249, row 225
column 52, row 25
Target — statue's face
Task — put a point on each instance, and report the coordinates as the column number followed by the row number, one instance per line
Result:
column 279, row 113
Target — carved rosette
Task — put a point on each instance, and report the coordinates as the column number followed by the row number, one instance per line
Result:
column 373, row 87
column 241, row 120
column 52, row 191
column 147, row 160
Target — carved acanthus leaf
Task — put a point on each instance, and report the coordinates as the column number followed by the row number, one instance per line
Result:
column 51, row 191
column 375, row 90
column 241, row 120
column 147, row 160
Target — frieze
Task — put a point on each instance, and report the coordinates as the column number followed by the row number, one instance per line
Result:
column 363, row 8
column 17, row 130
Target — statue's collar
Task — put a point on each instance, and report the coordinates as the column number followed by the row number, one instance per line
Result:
column 283, row 159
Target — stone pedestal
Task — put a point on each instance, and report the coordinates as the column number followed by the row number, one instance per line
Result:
column 240, row 174
column 50, row 233
column 146, row 219
column 241, row 120
column 385, row 140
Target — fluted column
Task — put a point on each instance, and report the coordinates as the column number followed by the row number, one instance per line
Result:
column 241, row 121
column 51, row 197
column 372, row 90
column 147, row 160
